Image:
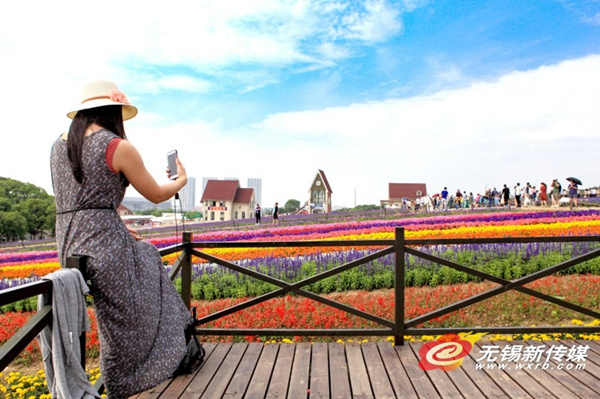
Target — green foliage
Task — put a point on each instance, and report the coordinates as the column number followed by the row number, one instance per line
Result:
column 369, row 207
column 36, row 209
column 16, row 192
column 153, row 212
column 291, row 206
column 220, row 283
column 23, row 305
column 192, row 215
column 13, row 225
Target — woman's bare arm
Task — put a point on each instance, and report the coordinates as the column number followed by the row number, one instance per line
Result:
column 128, row 160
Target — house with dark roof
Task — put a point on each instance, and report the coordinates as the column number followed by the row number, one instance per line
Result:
column 225, row 200
column 320, row 194
column 400, row 192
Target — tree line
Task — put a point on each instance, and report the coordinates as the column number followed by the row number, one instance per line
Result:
column 24, row 209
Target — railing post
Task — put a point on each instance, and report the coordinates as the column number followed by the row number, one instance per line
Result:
column 399, row 287
column 80, row 263
column 186, row 270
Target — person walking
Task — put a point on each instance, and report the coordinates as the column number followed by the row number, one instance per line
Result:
column 444, row 195
column 518, row 193
column 257, row 214
column 141, row 317
column 276, row 213
column 506, row 196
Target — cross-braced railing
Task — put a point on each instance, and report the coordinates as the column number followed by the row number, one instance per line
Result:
column 400, row 246
column 398, row 327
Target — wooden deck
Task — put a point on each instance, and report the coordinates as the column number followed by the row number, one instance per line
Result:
column 377, row 370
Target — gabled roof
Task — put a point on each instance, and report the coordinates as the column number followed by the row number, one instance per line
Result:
column 123, row 209
column 408, row 190
column 243, row 195
column 325, row 181
column 220, row 190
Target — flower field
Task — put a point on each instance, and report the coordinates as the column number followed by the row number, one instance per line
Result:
column 20, row 267
column 369, row 287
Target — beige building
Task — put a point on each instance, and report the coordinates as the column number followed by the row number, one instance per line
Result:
column 224, row 200
column 320, row 194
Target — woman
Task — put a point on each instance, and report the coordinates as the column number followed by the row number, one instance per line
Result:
column 543, row 194
column 573, row 194
column 140, row 316
column 556, row 188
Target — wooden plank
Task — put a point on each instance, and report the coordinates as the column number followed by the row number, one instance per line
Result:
column 300, row 371
column 462, row 382
column 525, row 380
column 242, row 370
column 593, row 354
column 178, row 384
column 201, row 380
column 280, row 379
column 502, row 379
column 241, row 379
column 420, row 381
column 588, row 376
column 484, row 383
column 442, row 383
column 221, row 380
column 397, row 375
column 550, row 380
column 319, row 374
column 262, row 374
column 154, row 392
column 359, row 377
column 380, row 381
column 338, row 367
column 575, row 386
column 594, row 345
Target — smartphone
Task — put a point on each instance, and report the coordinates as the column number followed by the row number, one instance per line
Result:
column 171, row 157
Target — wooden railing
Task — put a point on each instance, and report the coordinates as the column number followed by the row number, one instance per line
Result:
column 42, row 318
column 398, row 327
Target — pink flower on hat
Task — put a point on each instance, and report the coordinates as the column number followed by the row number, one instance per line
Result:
column 119, row 97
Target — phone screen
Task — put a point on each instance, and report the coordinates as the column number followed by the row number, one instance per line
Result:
column 171, row 157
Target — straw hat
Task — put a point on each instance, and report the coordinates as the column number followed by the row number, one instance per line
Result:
column 101, row 93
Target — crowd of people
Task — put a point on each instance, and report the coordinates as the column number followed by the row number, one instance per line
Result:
column 526, row 195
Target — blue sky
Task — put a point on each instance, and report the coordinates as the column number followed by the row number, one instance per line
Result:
column 463, row 94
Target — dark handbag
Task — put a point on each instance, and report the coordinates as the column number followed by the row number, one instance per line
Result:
column 194, row 356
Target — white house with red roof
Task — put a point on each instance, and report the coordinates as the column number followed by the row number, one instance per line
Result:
column 399, row 192
column 224, row 200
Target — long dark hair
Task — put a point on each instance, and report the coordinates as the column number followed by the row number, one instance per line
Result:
column 109, row 117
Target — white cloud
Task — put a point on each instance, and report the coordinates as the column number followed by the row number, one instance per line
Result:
column 205, row 36
column 377, row 22
column 524, row 125
column 520, row 127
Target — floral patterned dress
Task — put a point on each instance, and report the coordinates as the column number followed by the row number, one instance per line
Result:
column 140, row 315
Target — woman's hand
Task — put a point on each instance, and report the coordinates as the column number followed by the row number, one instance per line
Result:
column 134, row 233
column 181, row 173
